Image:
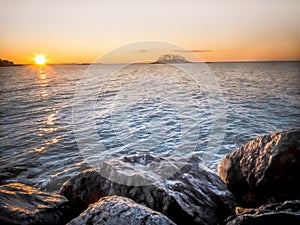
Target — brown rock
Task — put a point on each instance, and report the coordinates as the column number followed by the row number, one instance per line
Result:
column 266, row 169
column 24, row 205
column 271, row 214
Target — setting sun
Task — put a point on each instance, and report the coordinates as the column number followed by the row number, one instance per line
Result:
column 40, row 60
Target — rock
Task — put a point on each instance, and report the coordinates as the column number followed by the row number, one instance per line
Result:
column 264, row 170
column 10, row 172
column 116, row 210
column 274, row 214
column 21, row 204
column 194, row 195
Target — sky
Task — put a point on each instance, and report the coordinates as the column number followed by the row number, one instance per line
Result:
column 78, row 31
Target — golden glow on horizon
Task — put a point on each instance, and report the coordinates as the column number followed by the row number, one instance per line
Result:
column 216, row 30
column 40, row 60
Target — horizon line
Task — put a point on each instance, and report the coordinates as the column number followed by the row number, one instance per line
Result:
column 224, row 61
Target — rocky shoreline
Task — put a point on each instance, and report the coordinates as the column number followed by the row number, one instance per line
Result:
column 256, row 184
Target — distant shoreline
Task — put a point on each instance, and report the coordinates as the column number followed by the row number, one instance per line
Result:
column 6, row 63
column 212, row 62
column 262, row 61
column 12, row 65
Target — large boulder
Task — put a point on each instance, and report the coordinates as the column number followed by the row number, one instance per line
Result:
column 264, row 170
column 24, row 205
column 116, row 210
column 274, row 214
column 193, row 195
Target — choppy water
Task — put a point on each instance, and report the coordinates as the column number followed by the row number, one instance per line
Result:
column 39, row 145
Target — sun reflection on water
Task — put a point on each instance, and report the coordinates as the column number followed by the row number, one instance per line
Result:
column 50, row 119
column 52, row 141
column 42, row 75
column 41, row 149
column 48, row 128
column 44, row 78
column 44, row 130
column 44, row 93
column 43, row 82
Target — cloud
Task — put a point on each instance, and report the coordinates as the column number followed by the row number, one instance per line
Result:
column 142, row 51
column 199, row 50
column 175, row 50
column 193, row 50
column 148, row 50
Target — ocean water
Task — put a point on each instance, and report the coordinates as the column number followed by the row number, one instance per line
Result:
column 58, row 120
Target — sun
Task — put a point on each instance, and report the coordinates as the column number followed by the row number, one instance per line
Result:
column 40, row 60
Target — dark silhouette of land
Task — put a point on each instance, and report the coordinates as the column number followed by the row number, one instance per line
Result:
column 7, row 63
column 171, row 59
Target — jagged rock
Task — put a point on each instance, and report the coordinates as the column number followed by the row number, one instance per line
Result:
column 116, row 210
column 264, row 170
column 10, row 172
column 273, row 214
column 22, row 205
column 194, row 195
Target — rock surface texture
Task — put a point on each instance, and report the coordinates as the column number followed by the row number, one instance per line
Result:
column 116, row 210
column 24, row 205
column 264, row 170
column 272, row 214
column 193, row 195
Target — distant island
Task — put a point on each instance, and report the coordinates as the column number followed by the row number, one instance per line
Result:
column 7, row 63
column 171, row 59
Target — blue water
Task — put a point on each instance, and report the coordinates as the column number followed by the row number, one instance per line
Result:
column 137, row 110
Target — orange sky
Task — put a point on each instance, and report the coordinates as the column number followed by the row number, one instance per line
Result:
column 82, row 31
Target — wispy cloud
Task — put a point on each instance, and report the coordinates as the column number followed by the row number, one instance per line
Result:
column 199, row 50
column 148, row 50
column 142, row 51
column 193, row 50
column 175, row 50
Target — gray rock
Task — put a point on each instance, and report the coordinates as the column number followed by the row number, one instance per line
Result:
column 273, row 214
column 24, row 205
column 116, row 210
column 194, row 195
column 264, row 170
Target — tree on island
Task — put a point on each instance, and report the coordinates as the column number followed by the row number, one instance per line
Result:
column 6, row 63
column 171, row 59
